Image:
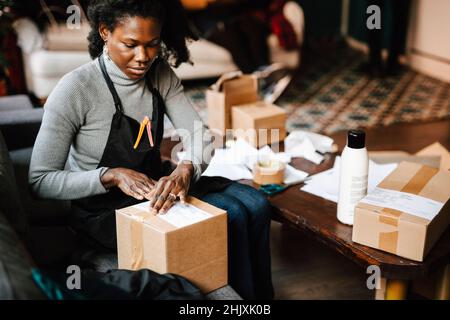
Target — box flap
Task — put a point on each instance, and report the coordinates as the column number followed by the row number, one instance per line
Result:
column 420, row 180
column 436, row 149
column 242, row 83
column 260, row 109
column 160, row 224
column 218, row 85
column 382, row 157
column 147, row 218
column 205, row 206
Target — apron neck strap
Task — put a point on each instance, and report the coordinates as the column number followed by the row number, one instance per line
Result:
column 112, row 89
column 159, row 107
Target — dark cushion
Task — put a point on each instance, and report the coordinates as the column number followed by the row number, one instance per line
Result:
column 39, row 211
column 16, row 102
column 10, row 203
column 48, row 239
column 15, row 266
column 20, row 127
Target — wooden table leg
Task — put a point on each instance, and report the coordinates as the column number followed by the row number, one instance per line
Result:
column 443, row 284
column 392, row 289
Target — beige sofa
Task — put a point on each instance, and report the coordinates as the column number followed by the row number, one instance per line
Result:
column 44, row 68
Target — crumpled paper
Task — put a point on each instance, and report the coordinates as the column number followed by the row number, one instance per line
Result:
column 307, row 145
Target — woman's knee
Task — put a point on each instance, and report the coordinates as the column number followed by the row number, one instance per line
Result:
column 261, row 209
column 236, row 211
column 258, row 206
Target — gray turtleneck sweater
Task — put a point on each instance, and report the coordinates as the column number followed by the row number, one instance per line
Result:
column 77, row 121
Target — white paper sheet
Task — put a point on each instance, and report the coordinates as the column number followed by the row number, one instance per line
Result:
column 237, row 161
column 294, row 176
column 326, row 184
column 323, row 185
column 180, row 215
column 224, row 165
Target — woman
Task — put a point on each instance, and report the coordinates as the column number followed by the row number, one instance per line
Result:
column 92, row 120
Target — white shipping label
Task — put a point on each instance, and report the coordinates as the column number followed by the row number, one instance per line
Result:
column 180, row 215
column 406, row 202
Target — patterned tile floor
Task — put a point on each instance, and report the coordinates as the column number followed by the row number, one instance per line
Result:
column 329, row 94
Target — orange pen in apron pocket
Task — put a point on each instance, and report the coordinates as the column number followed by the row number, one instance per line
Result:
column 145, row 124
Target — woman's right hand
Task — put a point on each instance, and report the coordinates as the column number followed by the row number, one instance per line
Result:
column 132, row 183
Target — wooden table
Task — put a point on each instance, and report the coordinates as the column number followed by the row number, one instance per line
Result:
column 316, row 216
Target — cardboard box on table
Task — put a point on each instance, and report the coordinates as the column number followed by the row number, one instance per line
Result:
column 409, row 230
column 259, row 123
column 230, row 89
column 197, row 251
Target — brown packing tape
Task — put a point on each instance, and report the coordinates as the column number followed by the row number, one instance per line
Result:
column 420, row 179
column 137, row 240
column 390, row 216
column 267, row 175
column 137, row 250
column 139, row 218
column 388, row 241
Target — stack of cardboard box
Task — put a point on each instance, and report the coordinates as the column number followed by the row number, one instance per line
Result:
column 233, row 103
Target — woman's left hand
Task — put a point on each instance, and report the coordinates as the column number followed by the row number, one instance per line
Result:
column 169, row 188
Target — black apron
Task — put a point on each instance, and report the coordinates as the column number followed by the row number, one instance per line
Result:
column 93, row 218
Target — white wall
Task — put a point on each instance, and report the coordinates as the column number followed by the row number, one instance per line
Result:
column 428, row 45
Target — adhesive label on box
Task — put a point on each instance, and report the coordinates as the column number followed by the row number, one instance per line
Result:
column 402, row 201
column 180, row 215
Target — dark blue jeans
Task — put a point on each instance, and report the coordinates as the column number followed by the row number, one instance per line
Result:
column 249, row 216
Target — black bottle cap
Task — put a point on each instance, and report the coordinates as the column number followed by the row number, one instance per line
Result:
column 356, row 139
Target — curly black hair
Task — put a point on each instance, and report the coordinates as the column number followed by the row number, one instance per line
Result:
column 175, row 28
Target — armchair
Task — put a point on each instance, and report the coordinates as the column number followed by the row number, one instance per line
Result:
column 44, row 68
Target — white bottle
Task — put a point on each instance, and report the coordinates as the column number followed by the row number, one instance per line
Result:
column 353, row 176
